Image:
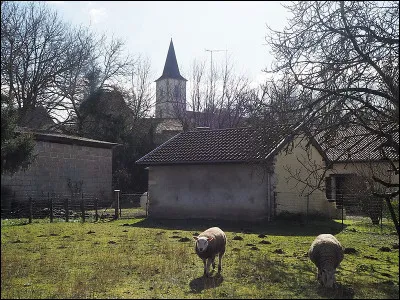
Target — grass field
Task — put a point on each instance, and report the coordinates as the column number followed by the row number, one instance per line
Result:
column 143, row 258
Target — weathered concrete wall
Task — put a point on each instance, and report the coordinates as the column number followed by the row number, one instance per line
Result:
column 290, row 193
column 57, row 164
column 225, row 191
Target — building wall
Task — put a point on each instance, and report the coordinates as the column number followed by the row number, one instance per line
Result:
column 365, row 171
column 291, row 195
column 57, row 164
column 226, row 191
column 170, row 98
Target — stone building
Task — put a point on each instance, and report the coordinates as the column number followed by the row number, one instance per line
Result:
column 65, row 164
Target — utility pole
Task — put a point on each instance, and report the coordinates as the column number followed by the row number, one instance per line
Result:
column 211, row 52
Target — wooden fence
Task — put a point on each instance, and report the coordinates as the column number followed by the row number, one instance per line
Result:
column 67, row 207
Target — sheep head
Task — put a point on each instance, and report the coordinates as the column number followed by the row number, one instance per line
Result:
column 326, row 277
column 202, row 242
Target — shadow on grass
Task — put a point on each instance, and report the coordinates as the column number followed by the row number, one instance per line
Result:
column 388, row 288
column 203, row 283
column 339, row 292
column 283, row 227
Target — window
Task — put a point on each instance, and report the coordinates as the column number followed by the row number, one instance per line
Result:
column 177, row 92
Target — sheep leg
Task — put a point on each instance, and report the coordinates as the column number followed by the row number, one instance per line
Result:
column 207, row 263
column 220, row 262
column 213, row 262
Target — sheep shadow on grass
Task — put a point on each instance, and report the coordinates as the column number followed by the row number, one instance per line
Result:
column 204, row 283
column 339, row 292
column 287, row 227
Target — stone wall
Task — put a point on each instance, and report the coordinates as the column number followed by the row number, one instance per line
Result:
column 62, row 168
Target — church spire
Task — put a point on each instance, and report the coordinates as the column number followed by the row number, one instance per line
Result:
column 171, row 69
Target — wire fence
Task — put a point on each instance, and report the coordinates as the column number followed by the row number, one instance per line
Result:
column 73, row 206
column 346, row 205
column 90, row 208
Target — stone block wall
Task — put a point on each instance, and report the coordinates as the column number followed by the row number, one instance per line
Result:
column 62, row 168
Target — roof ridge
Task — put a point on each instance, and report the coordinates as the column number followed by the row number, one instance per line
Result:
column 221, row 129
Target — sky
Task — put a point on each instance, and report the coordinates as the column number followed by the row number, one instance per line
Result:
column 148, row 26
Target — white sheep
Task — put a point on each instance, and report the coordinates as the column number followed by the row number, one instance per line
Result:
column 326, row 253
column 209, row 243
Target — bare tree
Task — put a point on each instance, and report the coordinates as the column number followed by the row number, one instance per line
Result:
column 139, row 94
column 219, row 100
column 345, row 56
column 47, row 62
column 35, row 49
column 99, row 65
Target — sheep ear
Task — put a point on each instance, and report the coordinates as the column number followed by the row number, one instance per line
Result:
column 210, row 239
column 196, row 237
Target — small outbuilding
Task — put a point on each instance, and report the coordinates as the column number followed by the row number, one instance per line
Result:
column 64, row 164
column 234, row 174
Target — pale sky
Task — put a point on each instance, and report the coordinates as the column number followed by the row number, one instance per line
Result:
column 148, row 26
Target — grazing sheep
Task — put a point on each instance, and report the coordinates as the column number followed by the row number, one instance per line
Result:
column 209, row 243
column 326, row 253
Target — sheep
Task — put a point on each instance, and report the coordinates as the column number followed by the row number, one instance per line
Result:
column 208, row 244
column 326, row 253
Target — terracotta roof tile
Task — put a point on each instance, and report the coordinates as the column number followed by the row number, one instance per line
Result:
column 213, row 146
column 356, row 144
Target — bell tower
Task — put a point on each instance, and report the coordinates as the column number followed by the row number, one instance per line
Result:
column 170, row 89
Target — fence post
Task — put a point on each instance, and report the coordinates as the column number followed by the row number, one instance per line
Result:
column 82, row 208
column 341, row 197
column 13, row 201
column 147, row 204
column 95, row 209
column 30, row 210
column 51, row 206
column 393, row 214
column 66, row 210
column 308, row 201
column 381, row 207
column 116, row 196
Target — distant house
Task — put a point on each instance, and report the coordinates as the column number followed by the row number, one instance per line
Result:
column 355, row 156
column 65, row 164
column 239, row 174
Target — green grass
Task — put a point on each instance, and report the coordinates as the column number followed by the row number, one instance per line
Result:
column 143, row 258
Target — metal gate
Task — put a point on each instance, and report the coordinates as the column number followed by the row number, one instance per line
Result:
column 133, row 205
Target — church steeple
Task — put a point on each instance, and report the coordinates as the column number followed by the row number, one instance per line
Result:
column 171, row 69
column 170, row 89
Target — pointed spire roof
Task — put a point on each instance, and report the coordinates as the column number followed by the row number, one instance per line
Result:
column 171, row 69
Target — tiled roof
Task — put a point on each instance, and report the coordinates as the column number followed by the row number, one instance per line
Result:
column 66, row 139
column 171, row 69
column 214, row 146
column 355, row 144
